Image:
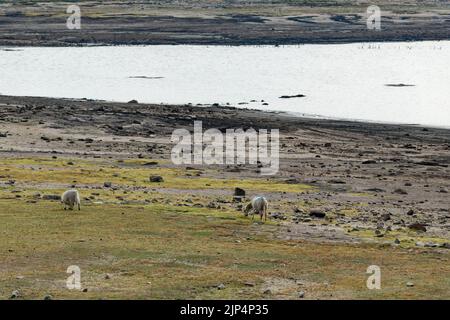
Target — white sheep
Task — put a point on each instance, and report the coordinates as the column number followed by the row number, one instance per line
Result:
column 258, row 205
column 71, row 198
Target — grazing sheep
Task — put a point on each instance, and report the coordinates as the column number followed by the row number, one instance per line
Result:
column 71, row 198
column 258, row 205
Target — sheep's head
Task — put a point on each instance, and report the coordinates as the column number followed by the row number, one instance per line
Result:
column 248, row 208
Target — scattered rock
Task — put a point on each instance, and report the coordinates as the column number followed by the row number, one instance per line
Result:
column 267, row 291
column 418, row 227
column 48, row 297
column 299, row 210
column 432, row 164
column 400, row 191
column 156, row 179
column 53, row 197
column 221, row 286
column 239, row 194
column 375, row 190
column 399, row 85
column 336, row 181
column 133, row 101
column 15, row 294
column 293, row 96
column 410, row 284
column 292, row 181
column 317, row 214
column 107, row 184
column 301, row 294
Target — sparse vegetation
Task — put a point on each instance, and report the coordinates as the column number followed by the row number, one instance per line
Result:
column 152, row 248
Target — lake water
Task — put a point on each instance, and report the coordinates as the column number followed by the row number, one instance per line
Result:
column 340, row 81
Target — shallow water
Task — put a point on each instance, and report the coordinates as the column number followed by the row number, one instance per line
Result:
column 341, row 81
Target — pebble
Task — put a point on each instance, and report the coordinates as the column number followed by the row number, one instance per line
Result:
column 15, row 294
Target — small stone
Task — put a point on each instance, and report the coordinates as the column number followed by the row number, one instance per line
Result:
column 400, row 191
column 379, row 234
column 418, row 227
column 267, row 291
column 156, row 179
column 317, row 214
column 85, row 290
column 301, row 294
column 239, row 192
column 107, row 184
column 48, row 297
column 54, row 197
column 107, row 276
column 221, row 286
column 410, row 284
column 15, row 294
column 431, row 245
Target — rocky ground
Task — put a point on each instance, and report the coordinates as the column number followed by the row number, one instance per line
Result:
column 43, row 23
column 348, row 195
column 376, row 177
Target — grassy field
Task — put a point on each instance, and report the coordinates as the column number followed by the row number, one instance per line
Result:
column 152, row 245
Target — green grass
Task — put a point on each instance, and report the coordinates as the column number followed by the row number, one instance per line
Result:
column 166, row 252
column 154, row 248
column 47, row 170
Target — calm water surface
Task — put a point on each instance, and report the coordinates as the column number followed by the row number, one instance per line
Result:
column 341, row 81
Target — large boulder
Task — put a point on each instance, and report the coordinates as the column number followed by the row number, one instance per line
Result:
column 239, row 194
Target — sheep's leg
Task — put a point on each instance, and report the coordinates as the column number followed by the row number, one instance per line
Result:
column 79, row 206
